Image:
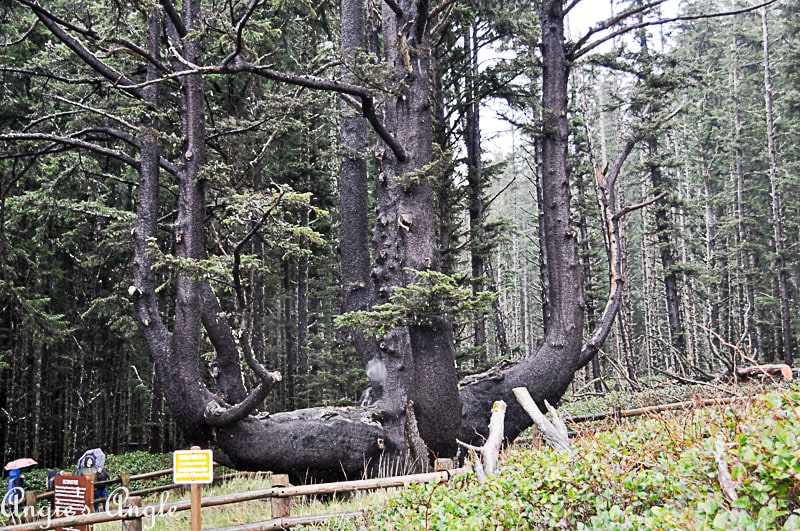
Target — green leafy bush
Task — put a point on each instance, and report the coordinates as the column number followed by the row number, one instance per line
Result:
column 657, row 472
column 135, row 463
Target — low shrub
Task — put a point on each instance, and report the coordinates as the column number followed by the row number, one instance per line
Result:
column 658, row 472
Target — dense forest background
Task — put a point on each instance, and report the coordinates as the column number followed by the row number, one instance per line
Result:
column 711, row 268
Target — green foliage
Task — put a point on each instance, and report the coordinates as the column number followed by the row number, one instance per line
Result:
column 270, row 213
column 430, row 172
column 656, row 473
column 137, row 462
column 436, row 294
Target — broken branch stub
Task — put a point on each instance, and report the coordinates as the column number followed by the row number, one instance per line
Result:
column 555, row 432
column 487, row 462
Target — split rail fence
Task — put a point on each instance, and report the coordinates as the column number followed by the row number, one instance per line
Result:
column 133, row 513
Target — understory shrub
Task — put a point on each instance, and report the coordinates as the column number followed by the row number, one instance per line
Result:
column 657, row 472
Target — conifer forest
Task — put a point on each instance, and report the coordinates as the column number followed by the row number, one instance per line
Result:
column 316, row 235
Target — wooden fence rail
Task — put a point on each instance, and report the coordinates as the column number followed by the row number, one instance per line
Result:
column 688, row 404
column 126, row 479
column 134, row 513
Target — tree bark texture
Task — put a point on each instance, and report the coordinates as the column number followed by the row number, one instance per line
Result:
column 353, row 189
column 422, row 406
column 405, row 241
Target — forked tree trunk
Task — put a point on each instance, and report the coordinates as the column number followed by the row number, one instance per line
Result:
column 421, row 408
column 548, row 372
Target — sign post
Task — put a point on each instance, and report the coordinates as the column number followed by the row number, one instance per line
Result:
column 193, row 467
column 73, row 496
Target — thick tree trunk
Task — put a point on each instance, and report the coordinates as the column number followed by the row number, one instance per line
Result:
column 353, row 190
column 421, row 402
column 548, row 372
column 419, row 360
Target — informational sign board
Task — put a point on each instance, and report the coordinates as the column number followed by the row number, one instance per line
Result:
column 73, row 496
column 192, row 467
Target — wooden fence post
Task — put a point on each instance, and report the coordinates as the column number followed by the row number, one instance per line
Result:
column 280, row 506
column 134, row 524
column 30, row 506
column 125, row 478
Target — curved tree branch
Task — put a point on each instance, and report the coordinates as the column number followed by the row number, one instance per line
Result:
column 607, row 200
column 580, row 48
column 608, row 23
column 239, row 30
column 89, row 146
column 367, row 98
column 34, row 6
column 218, row 416
column 226, row 351
column 23, row 36
column 76, row 142
column 118, row 79
column 137, row 51
column 95, row 110
column 51, row 75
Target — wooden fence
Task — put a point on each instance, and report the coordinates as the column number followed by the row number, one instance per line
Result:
column 132, row 514
column 125, row 480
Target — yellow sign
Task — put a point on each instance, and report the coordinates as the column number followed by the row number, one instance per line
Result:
column 192, row 466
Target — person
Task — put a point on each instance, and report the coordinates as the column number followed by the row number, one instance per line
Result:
column 16, row 488
column 98, row 474
column 88, row 468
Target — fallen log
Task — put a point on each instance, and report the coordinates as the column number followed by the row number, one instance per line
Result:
column 770, row 370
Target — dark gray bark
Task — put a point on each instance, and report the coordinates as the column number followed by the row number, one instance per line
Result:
column 353, row 188
column 421, row 400
column 405, row 241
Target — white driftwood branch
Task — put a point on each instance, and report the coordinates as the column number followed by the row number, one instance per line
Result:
column 725, row 479
column 555, row 432
column 491, row 448
column 486, row 464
